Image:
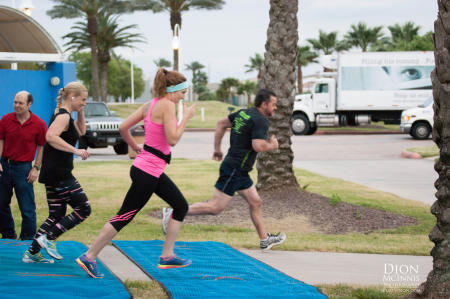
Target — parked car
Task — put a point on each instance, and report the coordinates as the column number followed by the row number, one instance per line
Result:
column 418, row 121
column 102, row 129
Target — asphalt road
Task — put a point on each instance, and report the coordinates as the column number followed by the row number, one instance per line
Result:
column 371, row 160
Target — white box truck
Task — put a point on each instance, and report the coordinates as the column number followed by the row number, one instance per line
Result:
column 368, row 86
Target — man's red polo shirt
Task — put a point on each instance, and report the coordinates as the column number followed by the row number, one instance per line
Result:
column 20, row 140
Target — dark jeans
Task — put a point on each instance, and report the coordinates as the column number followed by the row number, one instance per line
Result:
column 15, row 175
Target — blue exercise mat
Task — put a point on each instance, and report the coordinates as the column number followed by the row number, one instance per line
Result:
column 62, row 279
column 217, row 271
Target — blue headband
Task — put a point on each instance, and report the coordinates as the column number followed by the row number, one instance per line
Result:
column 181, row 86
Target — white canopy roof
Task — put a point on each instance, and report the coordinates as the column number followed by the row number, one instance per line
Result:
column 22, row 39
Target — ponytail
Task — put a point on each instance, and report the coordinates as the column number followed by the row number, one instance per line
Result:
column 165, row 78
column 73, row 89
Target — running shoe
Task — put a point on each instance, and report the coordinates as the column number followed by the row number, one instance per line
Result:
column 272, row 240
column 49, row 246
column 35, row 258
column 173, row 262
column 167, row 213
column 89, row 267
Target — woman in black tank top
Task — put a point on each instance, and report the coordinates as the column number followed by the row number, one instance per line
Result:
column 56, row 173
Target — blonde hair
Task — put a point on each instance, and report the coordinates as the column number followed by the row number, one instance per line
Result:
column 164, row 78
column 74, row 88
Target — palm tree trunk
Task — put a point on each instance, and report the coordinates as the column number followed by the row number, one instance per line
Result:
column 92, row 29
column 104, row 80
column 438, row 280
column 278, row 74
column 299, row 79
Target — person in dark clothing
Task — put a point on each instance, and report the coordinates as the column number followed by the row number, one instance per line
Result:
column 247, row 137
column 61, row 186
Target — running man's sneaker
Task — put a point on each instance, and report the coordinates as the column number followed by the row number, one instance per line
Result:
column 35, row 258
column 89, row 267
column 272, row 240
column 167, row 213
column 49, row 246
column 173, row 262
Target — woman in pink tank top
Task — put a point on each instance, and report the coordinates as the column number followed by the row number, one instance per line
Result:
column 147, row 172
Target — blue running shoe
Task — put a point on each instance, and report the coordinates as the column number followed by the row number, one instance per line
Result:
column 49, row 246
column 89, row 267
column 35, row 258
column 173, row 262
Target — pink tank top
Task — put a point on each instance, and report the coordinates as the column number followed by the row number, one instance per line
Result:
column 156, row 138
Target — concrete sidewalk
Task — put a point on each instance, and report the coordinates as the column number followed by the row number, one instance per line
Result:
column 313, row 267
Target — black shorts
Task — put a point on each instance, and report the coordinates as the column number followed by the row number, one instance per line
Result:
column 232, row 179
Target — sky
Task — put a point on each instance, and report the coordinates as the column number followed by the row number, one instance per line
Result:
column 224, row 40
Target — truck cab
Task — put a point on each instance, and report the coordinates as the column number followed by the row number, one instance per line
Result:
column 316, row 108
column 418, row 121
column 102, row 128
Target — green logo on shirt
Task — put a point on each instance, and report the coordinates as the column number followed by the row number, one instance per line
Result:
column 239, row 121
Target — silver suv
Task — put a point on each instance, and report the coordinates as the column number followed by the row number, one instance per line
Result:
column 102, row 129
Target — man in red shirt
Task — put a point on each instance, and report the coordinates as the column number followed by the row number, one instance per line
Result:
column 21, row 132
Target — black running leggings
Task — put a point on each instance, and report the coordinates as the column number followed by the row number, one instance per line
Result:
column 68, row 192
column 142, row 187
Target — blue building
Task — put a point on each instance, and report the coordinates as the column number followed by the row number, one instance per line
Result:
column 23, row 40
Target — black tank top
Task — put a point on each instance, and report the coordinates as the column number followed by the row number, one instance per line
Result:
column 57, row 165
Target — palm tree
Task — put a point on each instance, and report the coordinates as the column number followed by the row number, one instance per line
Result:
column 362, row 36
column 255, row 64
column 175, row 8
column 162, row 62
column 194, row 67
column 109, row 37
column 228, row 84
column 89, row 10
column 438, row 280
column 328, row 43
column 304, row 57
column 248, row 88
column 275, row 167
column 405, row 32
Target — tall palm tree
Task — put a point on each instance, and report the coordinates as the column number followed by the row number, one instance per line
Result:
column 405, row 32
column 89, row 10
column 328, row 43
column 255, row 64
column 162, row 62
column 304, row 57
column 278, row 74
column 362, row 36
column 438, row 280
column 228, row 84
column 109, row 37
column 248, row 88
column 175, row 8
column 194, row 67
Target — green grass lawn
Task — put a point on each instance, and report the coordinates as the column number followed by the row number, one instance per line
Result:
column 213, row 111
column 425, row 151
column 106, row 184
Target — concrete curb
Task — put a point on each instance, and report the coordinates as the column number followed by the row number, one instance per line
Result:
column 410, row 155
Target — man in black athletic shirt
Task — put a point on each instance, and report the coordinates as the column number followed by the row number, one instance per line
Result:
column 247, row 137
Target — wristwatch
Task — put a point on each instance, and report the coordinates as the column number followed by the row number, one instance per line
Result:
column 37, row 167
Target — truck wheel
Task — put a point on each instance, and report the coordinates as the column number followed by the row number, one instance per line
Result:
column 300, row 124
column 121, row 148
column 312, row 130
column 82, row 143
column 420, row 130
